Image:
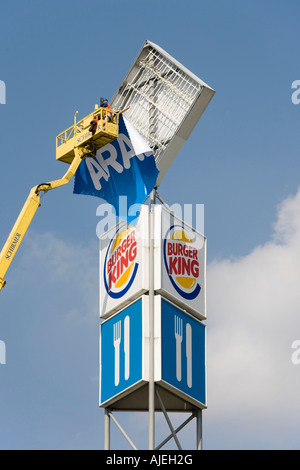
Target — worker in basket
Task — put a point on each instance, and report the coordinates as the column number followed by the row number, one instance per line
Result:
column 94, row 124
column 105, row 104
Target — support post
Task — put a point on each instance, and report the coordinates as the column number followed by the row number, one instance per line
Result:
column 199, row 429
column 152, row 131
column 151, row 324
column 122, row 430
column 106, row 430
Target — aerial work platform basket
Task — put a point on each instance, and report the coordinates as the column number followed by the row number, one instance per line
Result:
column 79, row 141
column 79, row 134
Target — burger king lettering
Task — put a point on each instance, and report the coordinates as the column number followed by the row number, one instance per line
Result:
column 181, row 262
column 121, row 265
column 121, row 258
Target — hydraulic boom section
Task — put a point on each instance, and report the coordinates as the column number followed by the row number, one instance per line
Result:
column 76, row 143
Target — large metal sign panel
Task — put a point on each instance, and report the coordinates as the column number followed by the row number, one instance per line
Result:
column 179, row 355
column 165, row 102
column 182, row 367
column 122, row 352
column 124, row 271
column 180, row 262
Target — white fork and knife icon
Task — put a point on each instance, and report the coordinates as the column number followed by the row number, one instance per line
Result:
column 117, row 332
column 178, row 328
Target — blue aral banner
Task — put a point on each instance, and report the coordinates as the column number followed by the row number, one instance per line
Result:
column 124, row 167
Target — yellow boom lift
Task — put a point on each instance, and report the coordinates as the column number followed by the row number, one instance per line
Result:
column 72, row 146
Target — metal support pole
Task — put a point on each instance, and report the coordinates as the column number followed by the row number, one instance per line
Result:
column 168, row 421
column 152, row 132
column 199, row 429
column 122, row 430
column 151, row 324
column 106, row 430
column 176, row 431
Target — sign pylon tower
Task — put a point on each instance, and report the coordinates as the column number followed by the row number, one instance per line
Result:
column 153, row 274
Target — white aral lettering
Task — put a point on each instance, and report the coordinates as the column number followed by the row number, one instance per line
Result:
column 106, row 157
column 126, row 150
column 96, row 172
column 111, row 160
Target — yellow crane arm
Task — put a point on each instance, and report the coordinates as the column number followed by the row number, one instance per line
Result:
column 27, row 213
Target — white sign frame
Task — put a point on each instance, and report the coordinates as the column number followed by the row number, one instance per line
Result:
column 153, row 77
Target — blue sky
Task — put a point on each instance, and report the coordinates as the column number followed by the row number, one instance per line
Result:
column 241, row 161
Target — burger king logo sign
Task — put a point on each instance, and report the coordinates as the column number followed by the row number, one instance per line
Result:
column 120, row 265
column 181, row 262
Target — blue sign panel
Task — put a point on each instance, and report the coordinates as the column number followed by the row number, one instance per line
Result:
column 121, row 351
column 183, row 352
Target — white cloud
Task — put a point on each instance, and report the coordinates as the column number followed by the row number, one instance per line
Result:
column 253, row 319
